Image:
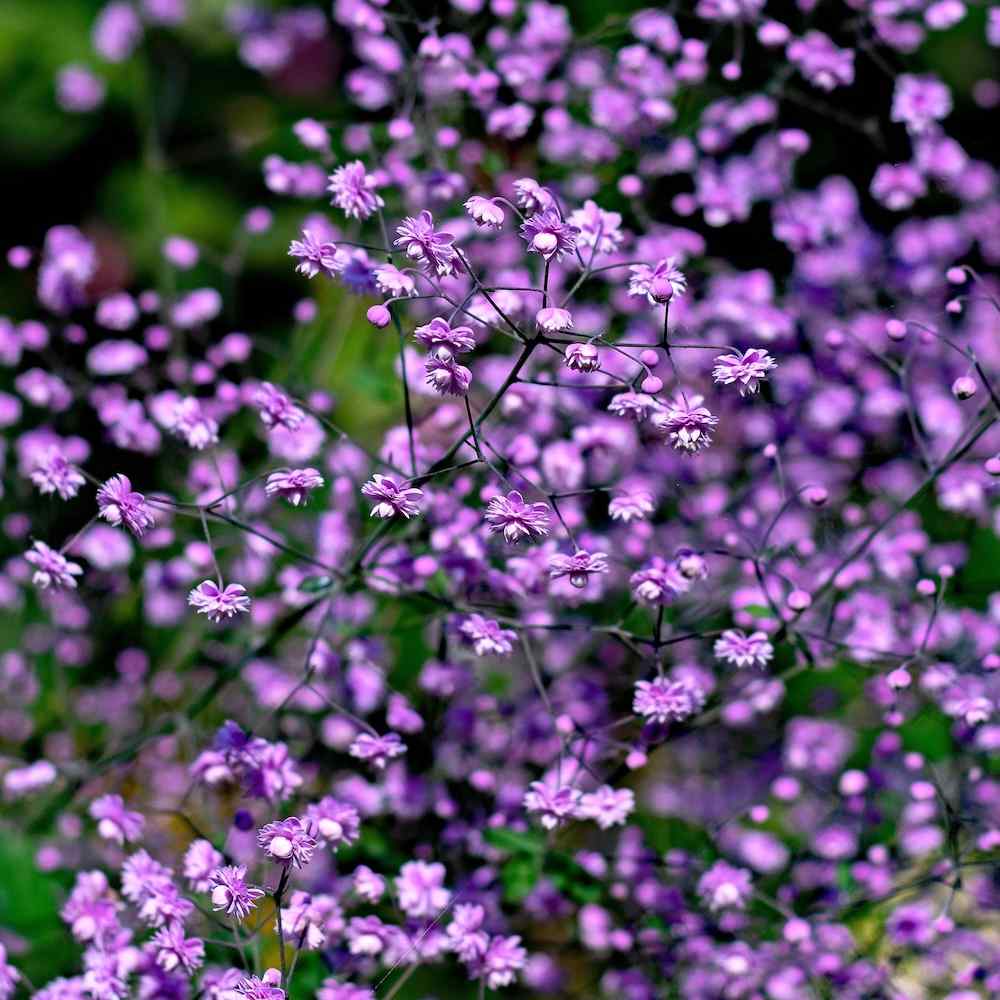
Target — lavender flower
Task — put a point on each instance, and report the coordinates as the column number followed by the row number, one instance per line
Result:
column 53, row 473
column 392, row 500
column 578, row 567
column 659, row 283
column 377, row 750
column 547, row 234
column 748, row 368
column 633, row 505
column 485, row 211
column 663, row 700
column 217, row 602
column 686, row 423
column 420, row 889
column 725, row 887
column 442, row 338
column 555, row 804
column 742, row 650
column 517, row 519
column 232, row 893
column 353, row 191
column 52, row 569
column 276, row 409
column 314, row 255
column 173, row 950
column 118, row 504
column 114, row 821
column 659, row 582
column 446, row 376
column 287, row 842
column 487, row 637
column 422, row 242
column 607, row 806
column 293, row 485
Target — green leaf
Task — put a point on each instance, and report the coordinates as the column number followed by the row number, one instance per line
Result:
column 519, row 876
column 757, row 610
column 315, row 584
column 514, row 841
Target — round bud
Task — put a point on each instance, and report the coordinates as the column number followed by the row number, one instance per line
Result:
column 650, row 358
column 992, row 465
column 379, row 316
column 964, row 387
column 896, row 329
column 635, row 760
column 281, row 847
column 926, row 588
column 799, row 600
column 833, row 339
column 652, row 385
column 899, row 679
column 956, row 275
column 661, row 290
column 221, row 897
column 732, row 71
column 545, row 243
column 330, row 829
column 954, row 307
column 816, row 496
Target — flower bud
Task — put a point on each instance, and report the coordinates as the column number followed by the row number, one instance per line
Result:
column 379, row 316
column 964, row 387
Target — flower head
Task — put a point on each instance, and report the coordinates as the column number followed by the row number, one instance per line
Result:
column 516, row 518
column 607, row 806
column 659, row 283
column 52, row 569
column 554, row 804
column 547, row 234
column 445, row 375
column 353, row 191
column 377, row 750
column 118, row 504
column 485, row 212
column 422, row 242
column 631, row 505
column 287, row 841
column 391, row 499
column 216, row 602
column 742, row 650
column 276, row 409
column 578, row 567
column 54, row 473
column 582, row 358
column 659, row 582
column 725, row 887
column 173, row 950
column 486, row 636
column 748, row 368
column 441, row 337
column 267, row 987
column 663, row 700
column 114, row 821
column 232, row 893
column 686, row 423
column 293, row 485
column 314, row 255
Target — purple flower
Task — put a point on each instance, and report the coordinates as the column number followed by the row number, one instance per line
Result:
column 631, row 505
column 634, row 406
column 314, row 255
column 119, row 504
column 52, row 569
column 446, row 376
column 686, row 423
column 658, row 582
column 442, row 338
column 607, row 806
column 582, row 358
column 200, row 860
column 503, row 959
column 78, row 90
column 276, row 409
column 547, row 234
column 659, row 283
column 485, row 211
column 552, row 319
column 898, row 186
column 217, row 602
column 69, row 261
column 920, row 101
column 725, row 887
column 392, row 500
column 531, row 196
column 390, row 281
column 486, row 636
column 578, row 567
column 293, row 485
column 189, row 421
column 172, row 949
column 420, row 889
column 742, row 650
column 231, row 893
column 554, row 803
column 377, row 750
column 53, row 473
column 334, row 822
column 422, row 242
column 268, row 987
column 9, row 976
column 663, row 700
column 821, row 62
column 114, row 821
column 597, row 229
column 517, row 519
column 749, row 368
column 287, row 841
column 353, row 191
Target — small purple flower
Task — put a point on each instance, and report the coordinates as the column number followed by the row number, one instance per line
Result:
column 517, row 519
column 390, row 281
column 553, row 319
column 748, row 368
column 314, row 255
column 334, row 822
column 686, row 423
column 547, row 234
column 554, row 803
column 190, row 422
column 607, row 806
column 230, row 891
column 659, row 283
column 597, row 229
column 634, row 406
column 920, row 101
column 287, row 841
column 200, row 860
column 377, row 750
column 582, row 358
column 172, row 949
column 531, row 196
column 422, row 242
column 742, row 650
column 55, row 474
column 578, row 567
column 658, row 582
column 276, row 409
column 353, row 191
column 420, row 889
column 821, row 62
column 725, row 887
column 487, row 637
column 52, row 569
column 663, row 700
column 268, row 987
column 631, row 505
column 392, row 500
column 217, row 602
column 119, row 504
column 293, row 485
column 485, row 212
column 446, row 376
column 114, row 821
column 442, row 338
column 503, row 959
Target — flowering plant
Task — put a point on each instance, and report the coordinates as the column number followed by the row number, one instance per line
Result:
column 651, row 650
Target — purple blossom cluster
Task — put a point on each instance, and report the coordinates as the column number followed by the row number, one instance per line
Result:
column 649, row 640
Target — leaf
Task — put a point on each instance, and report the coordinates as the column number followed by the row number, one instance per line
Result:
column 757, row 610
column 519, row 876
column 514, row 841
column 315, row 584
